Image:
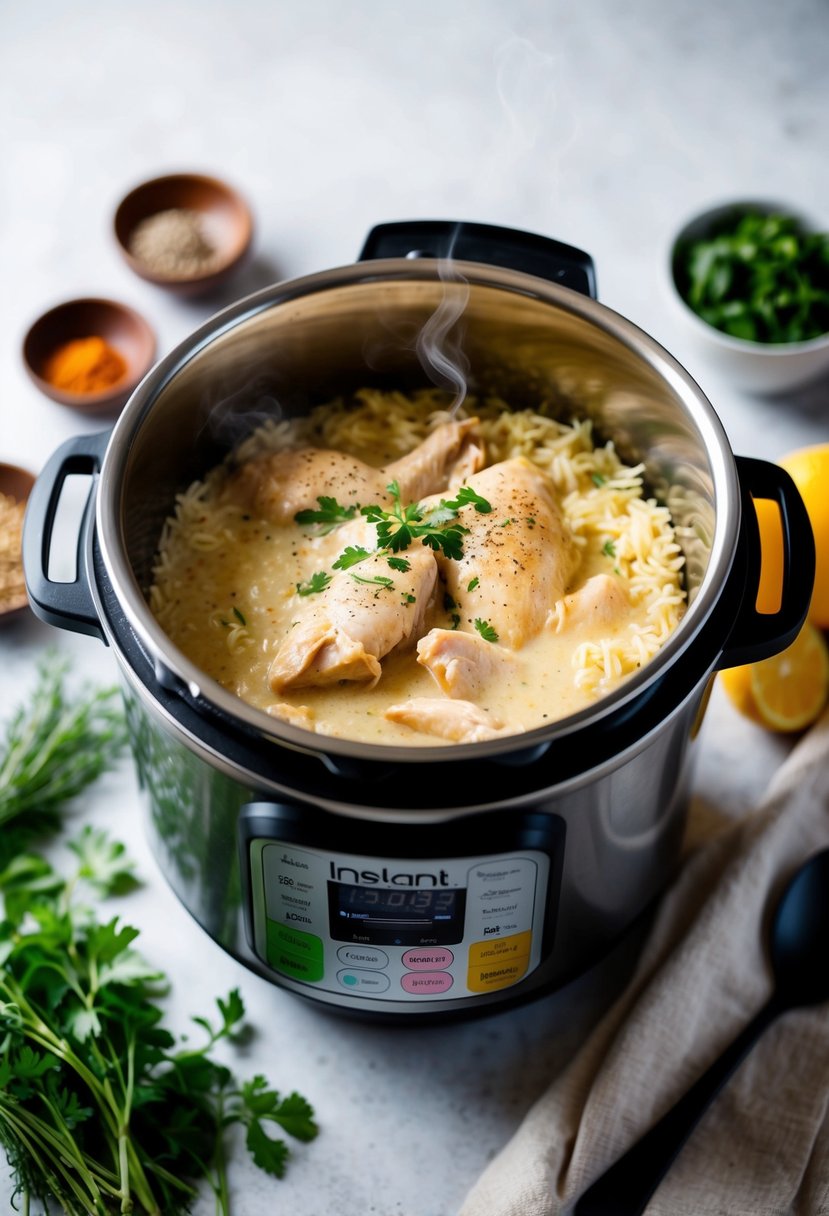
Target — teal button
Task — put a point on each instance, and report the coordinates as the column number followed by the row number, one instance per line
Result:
column 350, row 979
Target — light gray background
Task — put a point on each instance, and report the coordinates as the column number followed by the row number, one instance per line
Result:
column 604, row 123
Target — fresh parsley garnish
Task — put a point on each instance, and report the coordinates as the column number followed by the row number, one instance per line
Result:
column 609, row 548
column 398, row 527
column 400, row 563
column 473, row 583
column 598, row 480
column 455, row 619
column 330, row 514
column 351, row 556
column 485, row 630
column 316, row 583
column 379, row 580
column 239, row 617
column 467, row 496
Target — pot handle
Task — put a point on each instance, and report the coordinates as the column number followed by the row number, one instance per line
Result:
column 759, row 635
column 68, row 605
column 489, row 243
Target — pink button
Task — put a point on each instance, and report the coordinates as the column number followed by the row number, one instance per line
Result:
column 426, row 982
column 428, row 958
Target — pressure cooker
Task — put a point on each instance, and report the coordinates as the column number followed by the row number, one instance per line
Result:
column 443, row 880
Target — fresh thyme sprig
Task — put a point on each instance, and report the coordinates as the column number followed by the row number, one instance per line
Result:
column 57, row 745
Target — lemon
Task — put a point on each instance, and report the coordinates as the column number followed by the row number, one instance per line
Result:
column 790, row 689
column 736, row 682
column 809, row 469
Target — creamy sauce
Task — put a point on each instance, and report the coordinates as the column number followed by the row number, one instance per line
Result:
column 235, row 603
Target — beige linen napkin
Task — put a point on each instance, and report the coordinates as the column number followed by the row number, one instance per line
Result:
column 762, row 1148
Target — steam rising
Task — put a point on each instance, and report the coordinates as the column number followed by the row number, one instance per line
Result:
column 439, row 350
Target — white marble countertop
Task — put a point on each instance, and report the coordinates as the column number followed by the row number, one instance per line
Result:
column 601, row 123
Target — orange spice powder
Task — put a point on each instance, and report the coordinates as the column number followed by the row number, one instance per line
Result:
column 85, row 365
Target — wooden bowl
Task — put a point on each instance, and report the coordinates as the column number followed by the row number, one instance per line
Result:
column 15, row 483
column 120, row 326
column 226, row 224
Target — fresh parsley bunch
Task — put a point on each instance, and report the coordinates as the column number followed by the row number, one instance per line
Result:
column 102, row 1110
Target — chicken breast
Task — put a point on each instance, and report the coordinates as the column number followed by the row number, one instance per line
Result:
column 602, row 601
column 462, row 664
column 278, row 485
column 342, row 632
column 452, row 452
column 517, row 560
column 457, row 721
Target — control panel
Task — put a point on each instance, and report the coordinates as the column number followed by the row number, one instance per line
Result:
column 397, row 929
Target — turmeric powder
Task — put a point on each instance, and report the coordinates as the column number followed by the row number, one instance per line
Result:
column 85, row 365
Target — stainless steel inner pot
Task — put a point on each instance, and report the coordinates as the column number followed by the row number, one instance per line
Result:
column 594, row 802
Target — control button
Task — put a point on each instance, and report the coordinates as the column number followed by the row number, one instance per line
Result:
column 294, row 953
column 498, row 963
column 426, row 983
column 363, row 956
column 427, row 959
column 366, row 982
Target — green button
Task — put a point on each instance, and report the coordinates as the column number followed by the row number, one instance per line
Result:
column 294, row 953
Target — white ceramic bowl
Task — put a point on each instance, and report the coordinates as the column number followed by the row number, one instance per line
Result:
column 755, row 367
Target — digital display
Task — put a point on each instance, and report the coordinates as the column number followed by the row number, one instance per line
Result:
column 385, row 916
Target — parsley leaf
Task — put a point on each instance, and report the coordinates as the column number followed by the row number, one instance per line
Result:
column 316, row 583
column 329, row 516
column 379, row 580
column 400, row 563
column 466, row 495
column 239, row 617
column 485, row 630
column 350, row 556
column 473, row 583
column 609, row 548
column 401, row 526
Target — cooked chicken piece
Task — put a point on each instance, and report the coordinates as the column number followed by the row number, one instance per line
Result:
column 462, row 663
column 343, row 631
column 459, row 721
column 278, row 485
column 517, row 560
column 602, row 601
column 449, row 454
column 296, row 715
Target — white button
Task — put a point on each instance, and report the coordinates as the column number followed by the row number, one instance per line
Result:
column 363, row 956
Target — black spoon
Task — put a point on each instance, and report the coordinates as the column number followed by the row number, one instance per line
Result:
column 799, row 952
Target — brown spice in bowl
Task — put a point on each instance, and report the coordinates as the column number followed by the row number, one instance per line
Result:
column 173, row 244
column 12, row 584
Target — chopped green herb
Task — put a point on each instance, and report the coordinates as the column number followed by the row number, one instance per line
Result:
column 239, row 616
column 598, row 480
column 399, row 527
column 473, row 583
column 609, row 548
column 485, row 630
column 455, row 619
column 758, row 276
column 330, row 515
column 351, row 556
column 400, row 563
column 379, row 580
column 408, row 598
column 448, row 602
column 466, row 496
column 316, row 583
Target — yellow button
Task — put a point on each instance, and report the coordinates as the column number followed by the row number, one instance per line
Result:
column 500, row 949
column 498, row 963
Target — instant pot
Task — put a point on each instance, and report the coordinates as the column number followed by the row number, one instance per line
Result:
column 439, row 880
